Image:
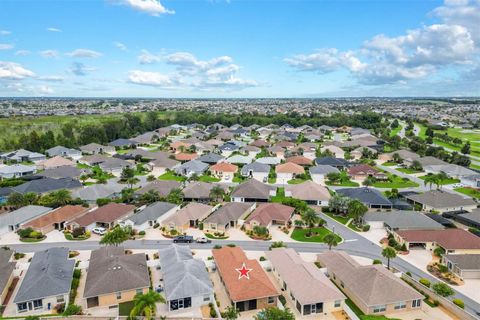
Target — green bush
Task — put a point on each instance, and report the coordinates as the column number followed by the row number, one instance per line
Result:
column 459, row 303
column 439, row 251
column 36, row 235
column 425, row 282
column 443, row 289
column 262, row 258
column 72, row 310
column 77, row 273
column 213, row 313
column 141, row 233
column 217, row 246
column 366, row 227
column 25, row 233
column 282, row 300
column 77, row 232
column 75, row 283
column 377, row 261
column 200, row 226
column 408, row 273
column 442, row 268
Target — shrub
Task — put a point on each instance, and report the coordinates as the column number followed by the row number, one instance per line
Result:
column 262, row 258
column 366, row 228
column 141, row 233
column 231, row 245
column 25, row 233
column 439, row 251
column 392, row 242
column 442, row 268
column 459, row 303
column 75, row 283
column 18, row 255
column 217, row 246
column 60, row 307
column 36, row 235
column 443, row 289
column 213, row 313
column 32, row 318
column 200, row 226
column 77, row 273
column 403, row 247
column 377, row 261
column 77, row 232
column 425, row 282
column 72, row 310
column 103, row 201
column 408, row 273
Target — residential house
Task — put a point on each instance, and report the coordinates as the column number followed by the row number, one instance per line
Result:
column 106, row 216
column 319, row 173
column 334, row 150
column 362, row 171
column 253, row 191
column 107, row 266
column 400, row 220
column 224, row 170
column 465, row 266
column 6, row 273
column 310, row 192
column 92, row 193
column 373, row 288
column 161, row 165
column 11, row 221
column 442, row 201
column 64, row 172
column 277, row 151
column 55, row 219
column 309, row 149
column 271, row 161
column 269, row 214
column 22, row 155
column 200, row 191
column 55, row 162
column 146, row 138
column 16, row 171
column 190, row 168
column 453, row 241
column 189, row 216
column 46, row 283
column 299, row 160
column 470, row 219
column 46, row 185
column 310, row 290
column 95, row 148
column 239, row 159
column 407, row 156
column 256, row 291
column 338, row 163
column 123, row 143
column 472, row 181
column 186, row 282
column 256, row 170
column 64, row 152
column 370, row 197
column 211, row 158
column 229, row 215
column 358, row 153
column 184, row 156
column 163, row 187
column 151, row 215
column 288, row 171
column 115, row 166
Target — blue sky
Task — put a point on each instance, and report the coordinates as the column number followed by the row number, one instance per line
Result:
column 239, row 48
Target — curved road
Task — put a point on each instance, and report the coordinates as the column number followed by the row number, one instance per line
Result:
column 353, row 244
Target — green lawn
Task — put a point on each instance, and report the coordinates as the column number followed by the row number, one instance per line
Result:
column 395, row 131
column 280, row 196
column 170, row 175
column 125, row 308
column 444, row 181
column 345, row 183
column 389, row 164
column 206, row 178
column 408, row 170
column 395, row 182
column 320, row 232
column 211, row 236
column 296, row 181
column 341, row 219
column 474, row 193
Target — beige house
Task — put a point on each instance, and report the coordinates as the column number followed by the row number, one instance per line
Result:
column 187, row 217
column 230, row 215
column 373, row 288
column 6, row 273
column 442, row 201
column 114, row 277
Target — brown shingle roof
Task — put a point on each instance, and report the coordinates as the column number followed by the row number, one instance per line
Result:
column 106, row 214
column 300, row 160
column 224, row 167
column 289, row 167
column 265, row 213
column 258, row 286
column 65, row 213
column 186, row 156
column 309, row 190
column 449, row 239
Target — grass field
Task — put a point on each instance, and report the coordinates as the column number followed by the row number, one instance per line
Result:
column 171, row 176
column 444, row 181
column 395, row 131
column 408, row 170
column 474, row 193
column 206, row 178
column 320, row 233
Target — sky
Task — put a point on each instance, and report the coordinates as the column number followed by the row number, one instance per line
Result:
column 239, row 48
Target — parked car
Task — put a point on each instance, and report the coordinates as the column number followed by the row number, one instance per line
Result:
column 99, row 230
column 183, row 239
column 203, row 240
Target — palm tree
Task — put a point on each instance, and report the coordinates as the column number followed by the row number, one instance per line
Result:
column 132, row 181
column 430, row 180
column 230, row 313
column 116, row 236
column 369, row 181
column 356, row 210
column 331, row 240
column 175, row 196
column 389, row 253
column 145, row 304
column 61, row 197
column 310, row 218
column 217, row 192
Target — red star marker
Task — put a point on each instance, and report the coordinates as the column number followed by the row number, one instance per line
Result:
column 243, row 272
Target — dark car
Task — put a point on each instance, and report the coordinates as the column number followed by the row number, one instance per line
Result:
column 183, row 239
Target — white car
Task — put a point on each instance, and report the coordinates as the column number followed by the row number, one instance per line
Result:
column 99, row 230
column 203, row 240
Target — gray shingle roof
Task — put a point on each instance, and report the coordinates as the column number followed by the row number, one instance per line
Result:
column 254, row 167
column 441, row 199
column 368, row 196
column 253, row 189
column 231, row 211
column 151, row 212
column 49, row 274
column 6, row 268
column 47, row 185
column 323, row 169
column 22, row 215
column 465, row 261
column 210, row 158
column 404, row 220
column 183, row 276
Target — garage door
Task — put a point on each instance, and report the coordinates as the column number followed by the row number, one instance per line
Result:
column 376, row 224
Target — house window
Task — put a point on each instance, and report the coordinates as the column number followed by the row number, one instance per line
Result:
column 119, row 295
column 271, row 300
column 206, row 298
column 338, row 303
column 400, row 305
column 416, row 303
column 60, row 299
column 37, row 304
column 381, row 308
column 22, row 307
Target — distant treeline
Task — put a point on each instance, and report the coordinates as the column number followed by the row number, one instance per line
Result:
column 129, row 125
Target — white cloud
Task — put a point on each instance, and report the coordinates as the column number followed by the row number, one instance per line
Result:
column 45, row 90
column 14, row 71
column 155, row 79
column 84, row 53
column 416, row 54
column 151, row 7
column 49, row 53
column 120, row 46
column 51, row 29
column 5, row 32
column 6, row 46
column 146, row 57
column 53, row 78
column 22, row 53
